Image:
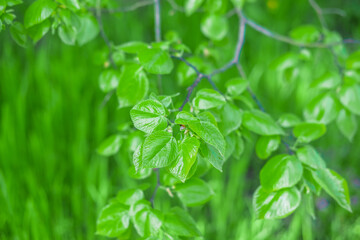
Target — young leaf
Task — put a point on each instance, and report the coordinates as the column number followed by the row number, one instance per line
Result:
column 328, row 80
column 231, row 118
column 288, row 120
column 309, row 156
column 133, row 85
column 179, row 223
column 347, row 124
column 185, row 118
column 147, row 222
column 281, row 171
column 307, row 33
column 191, row 6
column 132, row 47
column 67, row 34
column 159, row 150
column 88, row 30
column 108, row 80
column 38, row 12
column 129, row 196
column 310, row 182
column 149, row 115
column 266, row 145
column 114, row 220
column 36, row 32
column 185, row 159
column 236, row 86
column 110, row 146
column 307, row 132
column 155, row 61
column 194, row 192
column 334, row 185
column 350, row 97
column 212, row 154
column 261, row 123
column 208, row 98
column 214, row 27
column 275, row 205
column 322, row 109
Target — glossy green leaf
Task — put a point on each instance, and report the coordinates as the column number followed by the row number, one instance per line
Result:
column 133, row 85
column 67, row 34
column 214, row 27
column 147, row 221
column 353, row 61
column 231, row 118
column 192, row 5
column 108, row 80
column 114, row 220
column 178, row 222
column 288, row 120
column 88, row 30
column 328, row 80
column 208, row 98
column 207, row 117
column 334, row 185
column 194, row 192
column 310, row 182
column 347, row 124
column 38, row 31
column 38, row 12
column 132, row 47
column 155, row 61
column 236, row 86
column 307, row 34
column 12, row 3
column 275, row 205
column 149, row 115
column 261, row 123
column 322, row 108
column 309, row 156
column 18, row 33
column 213, row 155
column 266, row 145
column 159, row 150
column 2, row 7
column 110, row 146
column 129, row 196
column 281, row 171
column 349, row 96
column 185, row 159
column 307, row 132
column 185, row 118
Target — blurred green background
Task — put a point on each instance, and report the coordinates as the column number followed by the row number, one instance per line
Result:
column 52, row 182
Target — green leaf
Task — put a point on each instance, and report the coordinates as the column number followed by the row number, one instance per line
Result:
column 110, row 146
column 129, row 196
column 38, row 12
column 132, row 47
column 261, row 123
column 38, row 31
column 18, row 33
column 88, row 30
column 108, row 80
column 288, row 120
column 133, row 85
column 185, row 159
column 207, row 117
column 347, row 124
column 191, row 6
column 212, row 154
column 328, row 80
column 334, row 185
column 309, row 156
column 179, row 223
column 214, row 27
column 310, row 182
column 307, row 34
column 114, row 220
column 208, row 98
column 2, row 7
column 231, row 118
column 147, row 222
column 236, row 86
column 350, row 97
column 156, row 61
column 353, row 61
column 266, row 145
column 322, row 108
column 307, row 132
column 159, row 150
column 67, row 34
column 149, row 115
column 12, row 3
column 185, row 118
column 281, row 171
column 194, row 192
column 275, row 205
column 238, row 3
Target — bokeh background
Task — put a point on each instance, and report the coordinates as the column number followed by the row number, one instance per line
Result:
column 53, row 183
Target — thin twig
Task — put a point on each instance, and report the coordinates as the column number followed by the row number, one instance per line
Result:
column 190, row 90
column 158, row 184
column 130, row 8
column 334, row 11
column 157, row 20
column 175, row 6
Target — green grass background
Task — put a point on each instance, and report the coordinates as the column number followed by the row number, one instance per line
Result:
column 52, row 182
